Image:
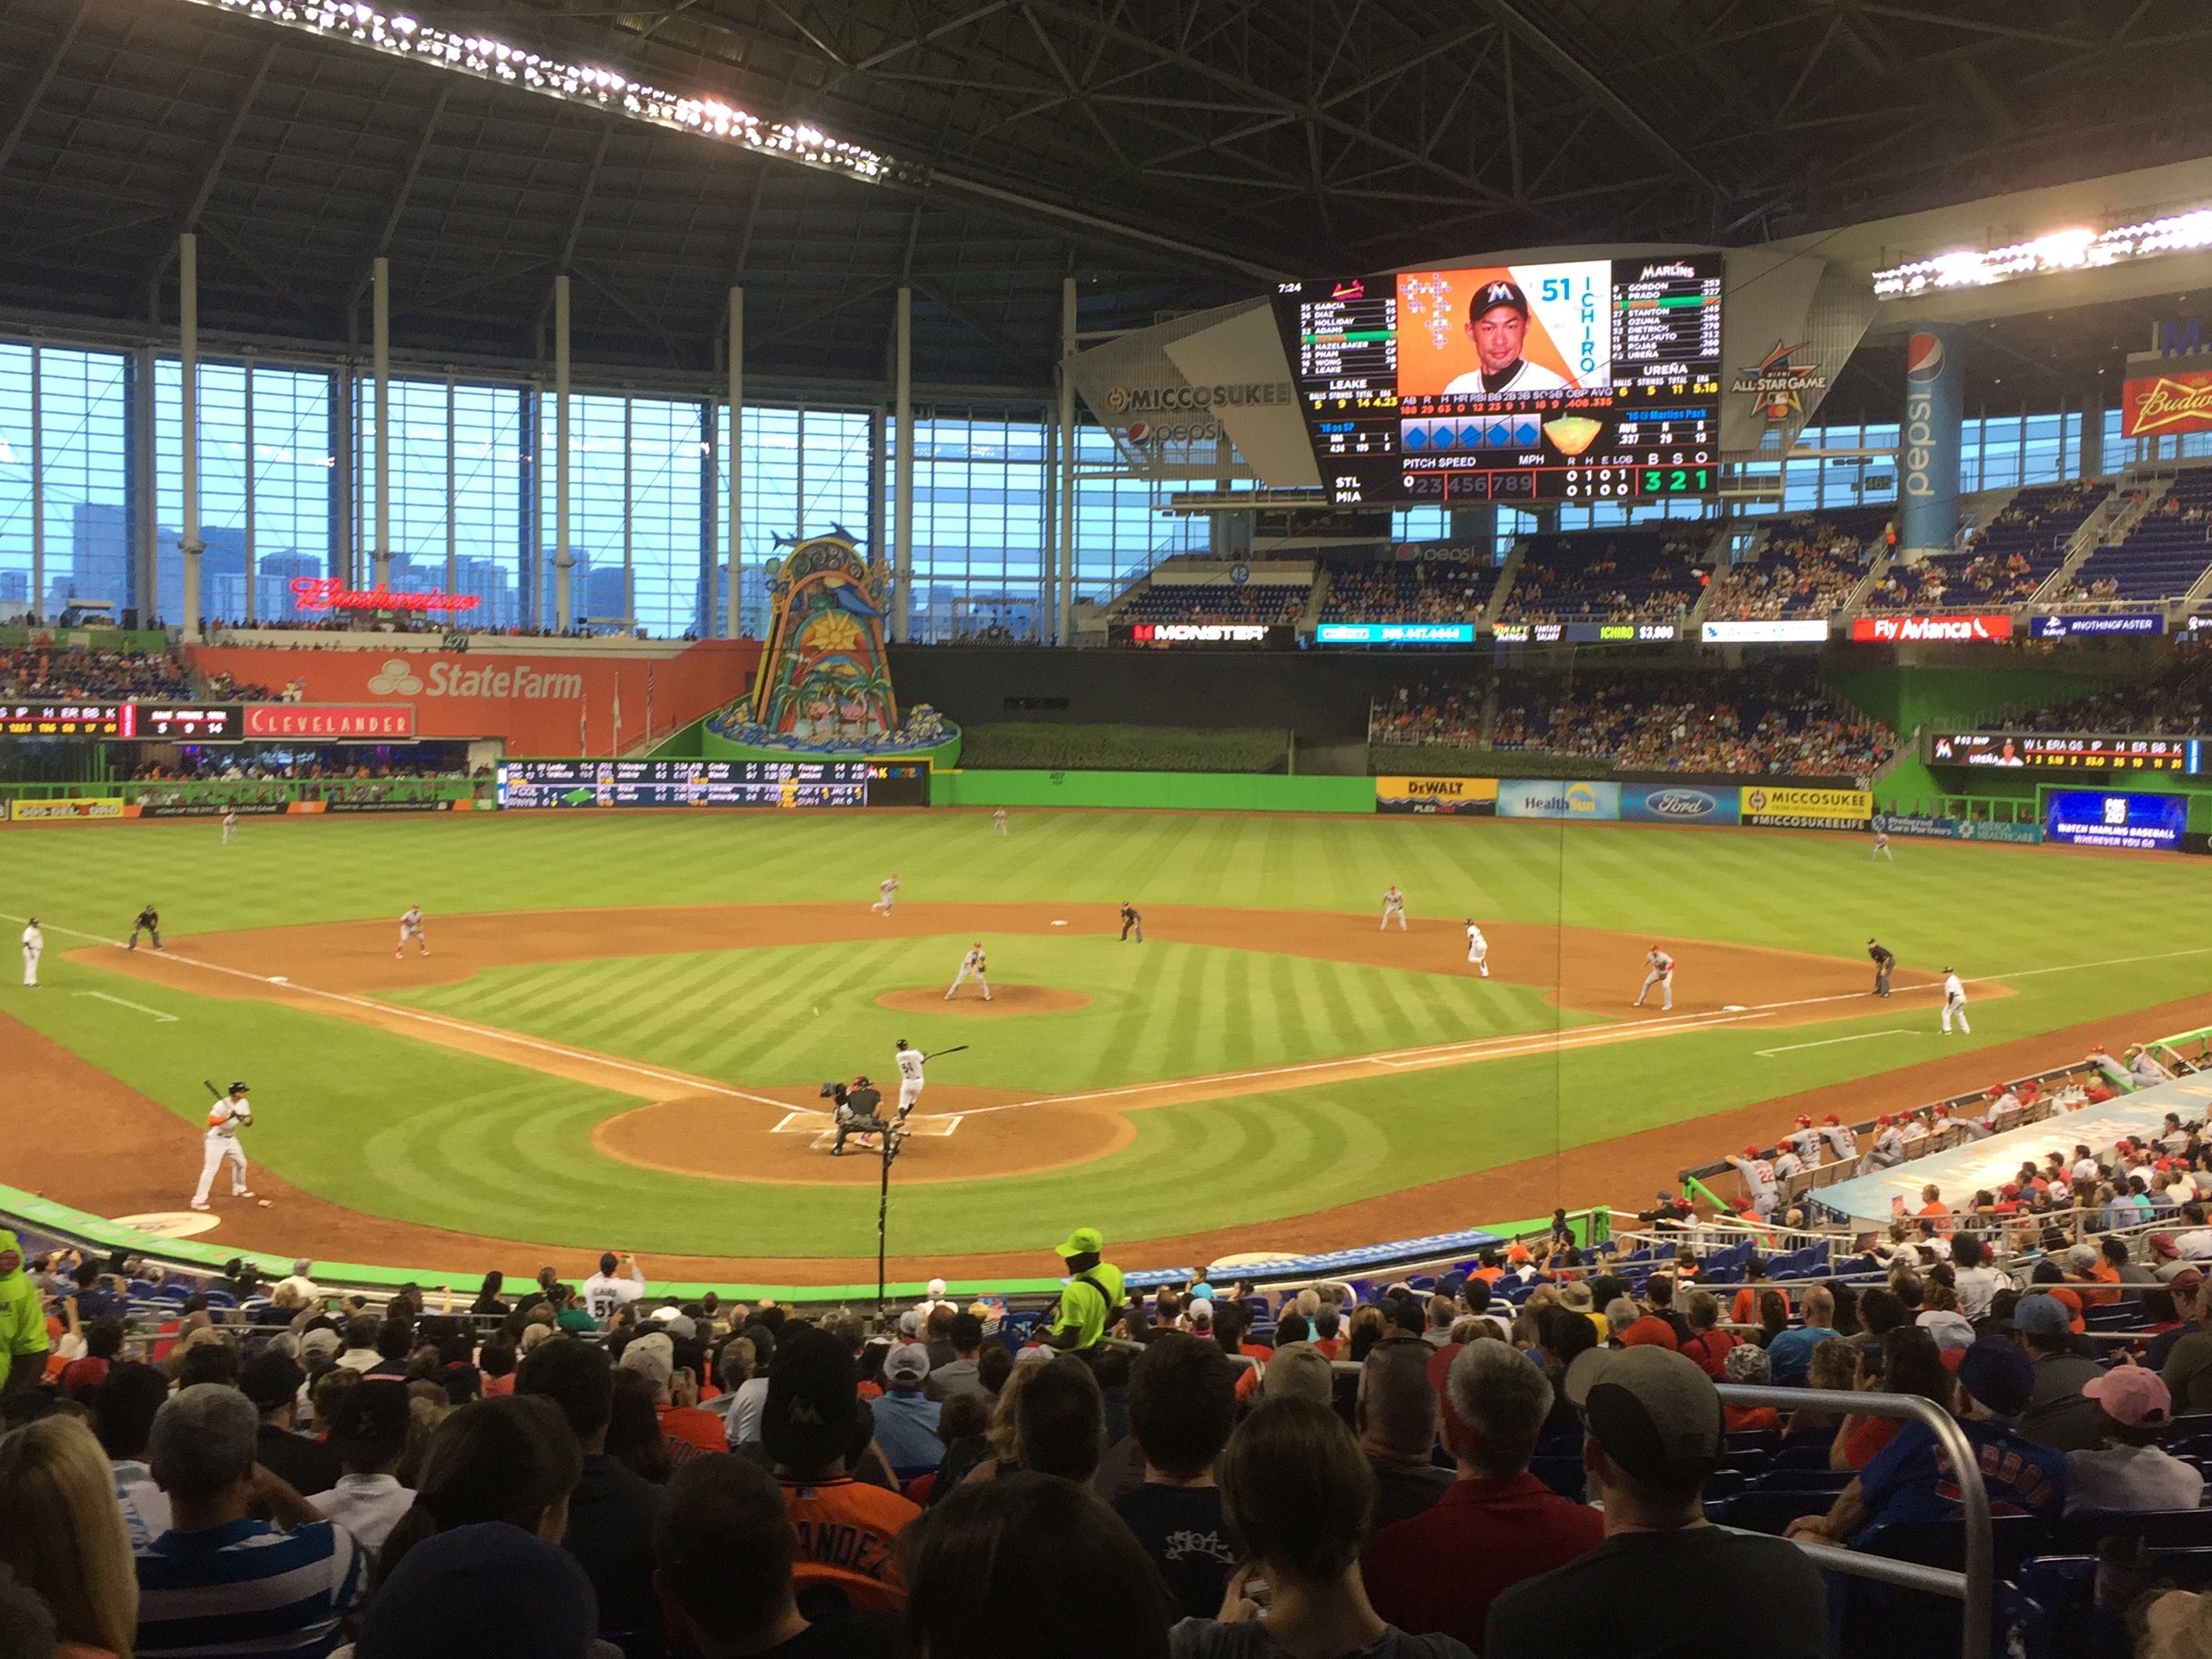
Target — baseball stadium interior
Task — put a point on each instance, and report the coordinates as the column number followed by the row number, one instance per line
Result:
column 1126, row 766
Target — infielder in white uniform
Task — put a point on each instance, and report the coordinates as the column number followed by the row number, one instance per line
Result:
column 1954, row 1002
column 230, row 826
column 226, row 1118
column 910, row 1071
column 411, row 927
column 1394, row 904
column 998, row 822
column 887, row 891
column 1478, row 948
column 34, row 945
column 1660, row 973
column 971, row 967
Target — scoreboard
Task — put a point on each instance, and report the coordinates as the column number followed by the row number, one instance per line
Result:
column 572, row 783
column 2046, row 752
column 1594, row 381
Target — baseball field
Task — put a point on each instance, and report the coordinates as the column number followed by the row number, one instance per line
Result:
column 619, row 1034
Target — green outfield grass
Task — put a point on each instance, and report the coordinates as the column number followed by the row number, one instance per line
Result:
column 393, row 1126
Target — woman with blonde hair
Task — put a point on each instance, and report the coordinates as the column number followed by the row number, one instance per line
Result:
column 61, row 1533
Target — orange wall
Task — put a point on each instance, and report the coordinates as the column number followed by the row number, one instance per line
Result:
column 532, row 700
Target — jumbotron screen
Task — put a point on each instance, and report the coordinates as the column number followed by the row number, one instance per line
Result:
column 683, row 783
column 1590, row 380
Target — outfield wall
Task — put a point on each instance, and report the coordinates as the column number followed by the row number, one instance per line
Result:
column 1156, row 791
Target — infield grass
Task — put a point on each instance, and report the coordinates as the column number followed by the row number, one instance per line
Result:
column 424, row 1134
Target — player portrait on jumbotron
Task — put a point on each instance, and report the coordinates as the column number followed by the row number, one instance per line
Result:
column 1496, row 331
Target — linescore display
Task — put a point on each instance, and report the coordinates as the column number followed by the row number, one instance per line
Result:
column 563, row 783
column 1588, row 380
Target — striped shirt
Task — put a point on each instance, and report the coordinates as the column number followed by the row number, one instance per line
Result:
column 248, row 1589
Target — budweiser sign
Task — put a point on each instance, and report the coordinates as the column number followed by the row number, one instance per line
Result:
column 2167, row 403
column 1901, row 630
column 328, row 593
column 352, row 722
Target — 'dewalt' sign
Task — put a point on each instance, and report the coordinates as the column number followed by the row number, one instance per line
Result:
column 1469, row 797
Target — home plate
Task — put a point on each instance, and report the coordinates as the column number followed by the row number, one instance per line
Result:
column 823, row 1128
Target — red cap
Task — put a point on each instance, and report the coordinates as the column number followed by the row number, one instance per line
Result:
column 2072, row 1302
column 1751, row 1151
column 1832, row 1118
column 1885, row 1118
column 1803, row 1121
column 2010, row 1190
column 1942, row 1111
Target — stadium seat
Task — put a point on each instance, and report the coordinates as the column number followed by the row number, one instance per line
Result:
column 1782, row 1479
column 1563, row 1475
column 2160, row 1529
column 1757, row 1510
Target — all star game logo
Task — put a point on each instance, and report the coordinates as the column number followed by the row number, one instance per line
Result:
column 1780, row 381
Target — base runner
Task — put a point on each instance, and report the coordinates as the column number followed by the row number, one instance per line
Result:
column 229, row 1114
column 971, row 967
column 411, row 927
column 1394, row 904
column 1954, row 1002
column 909, row 1070
column 1478, row 948
column 1660, row 971
column 886, row 895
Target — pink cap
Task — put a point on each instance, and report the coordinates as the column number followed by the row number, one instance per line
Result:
column 2132, row 1396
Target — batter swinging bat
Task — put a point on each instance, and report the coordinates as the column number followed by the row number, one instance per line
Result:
column 934, row 1052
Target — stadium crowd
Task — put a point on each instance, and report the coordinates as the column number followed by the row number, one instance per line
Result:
column 1659, row 723
column 53, row 673
column 1806, row 568
column 1430, row 591
column 1648, row 575
column 2168, row 700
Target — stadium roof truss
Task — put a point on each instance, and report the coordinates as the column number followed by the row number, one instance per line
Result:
column 1169, row 157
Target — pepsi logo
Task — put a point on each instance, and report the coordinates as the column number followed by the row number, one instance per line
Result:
column 1138, row 430
column 1923, row 358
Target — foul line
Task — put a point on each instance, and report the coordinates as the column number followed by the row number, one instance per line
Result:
column 120, row 1003
column 2115, row 962
column 1830, row 1042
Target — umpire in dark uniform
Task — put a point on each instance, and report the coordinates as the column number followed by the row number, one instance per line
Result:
column 856, row 1113
column 148, row 919
column 1883, row 960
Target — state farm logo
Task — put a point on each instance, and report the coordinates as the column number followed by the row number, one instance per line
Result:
column 396, row 679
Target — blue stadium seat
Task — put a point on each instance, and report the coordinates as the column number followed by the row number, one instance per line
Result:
column 1757, row 1510
column 2160, row 1529
column 1563, row 1475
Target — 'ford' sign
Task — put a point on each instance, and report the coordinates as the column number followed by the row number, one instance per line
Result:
column 1679, row 803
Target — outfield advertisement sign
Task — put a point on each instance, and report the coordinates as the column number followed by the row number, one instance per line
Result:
column 50, row 812
column 1808, row 809
column 1767, row 630
column 1473, row 798
column 1582, row 633
column 1654, row 803
column 1893, row 823
column 2121, row 621
column 2143, row 823
column 1907, row 630
column 1559, row 798
column 1361, row 633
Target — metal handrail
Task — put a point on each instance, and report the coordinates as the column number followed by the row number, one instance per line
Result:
column 1976, row 1587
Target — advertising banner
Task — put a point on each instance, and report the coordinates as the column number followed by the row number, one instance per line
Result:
column 2125, row 621
column 1394, row 633
column 1928, row 456
column 1212, row 635
column 1771, row 630
column 389, row 806
column 2145, row 823
column 1582, row 633
column 1958, row 829
column 48, row 812
column 336, row 722
column 1674, row 803
column 1559, row 798
column 1808, row 809
column 1905, row 630
column 1462, row 797
column 2063, row 751
column 204, row 809
column 540, row 702
column 2157, row 405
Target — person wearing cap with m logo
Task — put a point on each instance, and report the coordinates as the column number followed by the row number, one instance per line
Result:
column 1093, row 1295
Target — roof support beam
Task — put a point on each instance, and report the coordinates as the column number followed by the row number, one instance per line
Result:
column 189, row 218
column 397, row 204
column 47, row 71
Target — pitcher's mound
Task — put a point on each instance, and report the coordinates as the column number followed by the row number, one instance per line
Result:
column 1005, row 1000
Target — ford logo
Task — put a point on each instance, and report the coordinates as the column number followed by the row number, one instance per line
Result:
column 1680, row 803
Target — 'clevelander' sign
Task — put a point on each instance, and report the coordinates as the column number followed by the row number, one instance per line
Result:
column 346, row 721
column 2152, row 408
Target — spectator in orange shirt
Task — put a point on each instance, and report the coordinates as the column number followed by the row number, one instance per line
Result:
column 2089, row 1272
column 1745, row 1309
column 1751, row 1365
column 675, row 1397
column 807, row 1427
column 1933, row 1208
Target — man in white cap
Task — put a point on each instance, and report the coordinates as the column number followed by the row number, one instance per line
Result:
column 906, row 1419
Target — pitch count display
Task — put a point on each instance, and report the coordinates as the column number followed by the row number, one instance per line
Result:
column 1594, row 381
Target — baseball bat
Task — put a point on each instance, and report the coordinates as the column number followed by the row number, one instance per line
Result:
column 934, row 1052
column 211, row 1088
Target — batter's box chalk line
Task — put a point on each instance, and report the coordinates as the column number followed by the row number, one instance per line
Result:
column 823, row 1128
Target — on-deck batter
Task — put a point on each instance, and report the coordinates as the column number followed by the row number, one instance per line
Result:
column 1394, row 904
column 225, row 1118
column 886, row 895
column 1478, row 948
column 411, row 927
column 971, row 967
column 1660, row 973
column 910, row 1068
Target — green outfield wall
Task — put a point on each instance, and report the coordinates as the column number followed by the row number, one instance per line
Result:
column 1156, row 791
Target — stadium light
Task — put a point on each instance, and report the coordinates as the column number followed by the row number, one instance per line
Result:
column 2073, row 249
column 488, row 59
